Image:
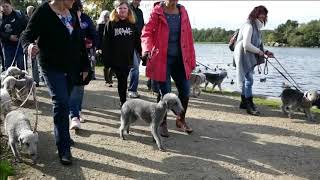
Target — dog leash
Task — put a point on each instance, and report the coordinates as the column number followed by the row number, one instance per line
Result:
column 205, row 66
column 266, row 71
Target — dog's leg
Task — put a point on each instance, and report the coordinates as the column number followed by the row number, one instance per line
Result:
column 283, row 107
column 290, row 111
column 199, row 91
column 13, row 147
column 219, row 85
column 156, row 135
column 205, row 86
column 122, row 126
column 213, row 86
column 308, row 114
column 194, row 91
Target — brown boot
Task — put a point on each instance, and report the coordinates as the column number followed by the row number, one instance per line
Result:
column 181, row 121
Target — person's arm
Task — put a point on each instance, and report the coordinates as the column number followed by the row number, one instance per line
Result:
column 32, row 32
column 137, row 41
column 247, row 34
column 106, row 44
column 148, row 33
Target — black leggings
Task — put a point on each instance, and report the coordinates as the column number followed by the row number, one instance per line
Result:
column 122, row 76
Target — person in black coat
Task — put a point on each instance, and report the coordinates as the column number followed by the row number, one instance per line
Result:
column 13, row 23
column 120, row 40
column 63, row 60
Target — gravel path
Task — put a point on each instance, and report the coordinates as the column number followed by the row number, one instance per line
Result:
column 226, row 143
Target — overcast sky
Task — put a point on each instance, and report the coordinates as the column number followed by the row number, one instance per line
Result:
column 232, row 14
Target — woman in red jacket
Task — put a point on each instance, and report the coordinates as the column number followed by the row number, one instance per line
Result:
column 168, row 45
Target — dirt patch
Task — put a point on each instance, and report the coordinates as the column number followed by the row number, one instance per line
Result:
column 226, row 143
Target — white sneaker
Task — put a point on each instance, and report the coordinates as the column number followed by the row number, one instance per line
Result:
column 75, row 123
column 133, row 94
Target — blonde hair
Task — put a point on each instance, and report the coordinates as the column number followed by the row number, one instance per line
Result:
column 114, row 15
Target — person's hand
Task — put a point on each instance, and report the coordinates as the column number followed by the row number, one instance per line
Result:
column 33, row 49
column 261, row 53
column 13, row 38
column 84, row 75
column 269, row 54
column 98, row 51
column 145, row 57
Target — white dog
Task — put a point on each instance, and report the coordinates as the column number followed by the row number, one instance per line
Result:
column 18, row 129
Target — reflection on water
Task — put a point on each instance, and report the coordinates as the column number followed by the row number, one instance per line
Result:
column 303, row 64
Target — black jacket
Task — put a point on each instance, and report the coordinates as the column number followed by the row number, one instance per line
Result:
column 12, row 24
column 59, row 51
column 139, row 17
column 119, row 41
column 100, row 30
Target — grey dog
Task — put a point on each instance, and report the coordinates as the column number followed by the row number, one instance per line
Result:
column 152, row 113
column 293, row 99
column 18, row 129
column 196, row 79
column 215, row 79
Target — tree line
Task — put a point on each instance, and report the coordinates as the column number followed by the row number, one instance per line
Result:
column 290, row 33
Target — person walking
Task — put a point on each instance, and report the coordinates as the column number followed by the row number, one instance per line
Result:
column 249, row 53
column 134, row 71
column 63, row 59
column 121, row 38
column 167, row 43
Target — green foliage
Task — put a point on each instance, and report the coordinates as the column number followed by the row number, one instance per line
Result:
column 291, row 33
column 5, row 170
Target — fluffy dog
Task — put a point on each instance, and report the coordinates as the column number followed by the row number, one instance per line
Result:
column 152, row 113
column 19, row 88
column 5, row 101
column 196, row 79
column 293, row 99
column 215, row 79
column 11, row 71
column 18, row 129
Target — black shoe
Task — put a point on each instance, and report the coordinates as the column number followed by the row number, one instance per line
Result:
column 243, row 104
column 250, row 107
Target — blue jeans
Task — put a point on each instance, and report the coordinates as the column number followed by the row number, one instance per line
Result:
column 59, row 85
column 75, row 102
column 247, row 84
column 134, row 73
column 8, row 54
column 175, row 69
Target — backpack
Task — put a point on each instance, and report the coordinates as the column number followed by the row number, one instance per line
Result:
column 233, row 40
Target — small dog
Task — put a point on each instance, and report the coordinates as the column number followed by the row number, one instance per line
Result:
column 196, row 79
column 215, row 79
column 19, row 88
column 5, row 101
column 293, row 99
column 18, row 129
column 152, row 113
column 11, row 71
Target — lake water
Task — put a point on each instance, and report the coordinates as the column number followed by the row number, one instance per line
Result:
column 303, row 64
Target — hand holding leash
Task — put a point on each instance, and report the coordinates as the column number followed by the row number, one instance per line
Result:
column 269, row 54
column 84, row 75
column 33, row 50
column 145, row 57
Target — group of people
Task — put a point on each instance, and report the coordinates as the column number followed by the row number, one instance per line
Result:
column 58, row 33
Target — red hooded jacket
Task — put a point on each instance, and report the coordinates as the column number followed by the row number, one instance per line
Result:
column 154, row 39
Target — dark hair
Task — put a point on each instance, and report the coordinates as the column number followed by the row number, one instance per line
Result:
column 77, row 6
column 5, row 1
column 256, row 12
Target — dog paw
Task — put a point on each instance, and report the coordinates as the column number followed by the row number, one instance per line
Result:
column 18, row 160
column 162, row 149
